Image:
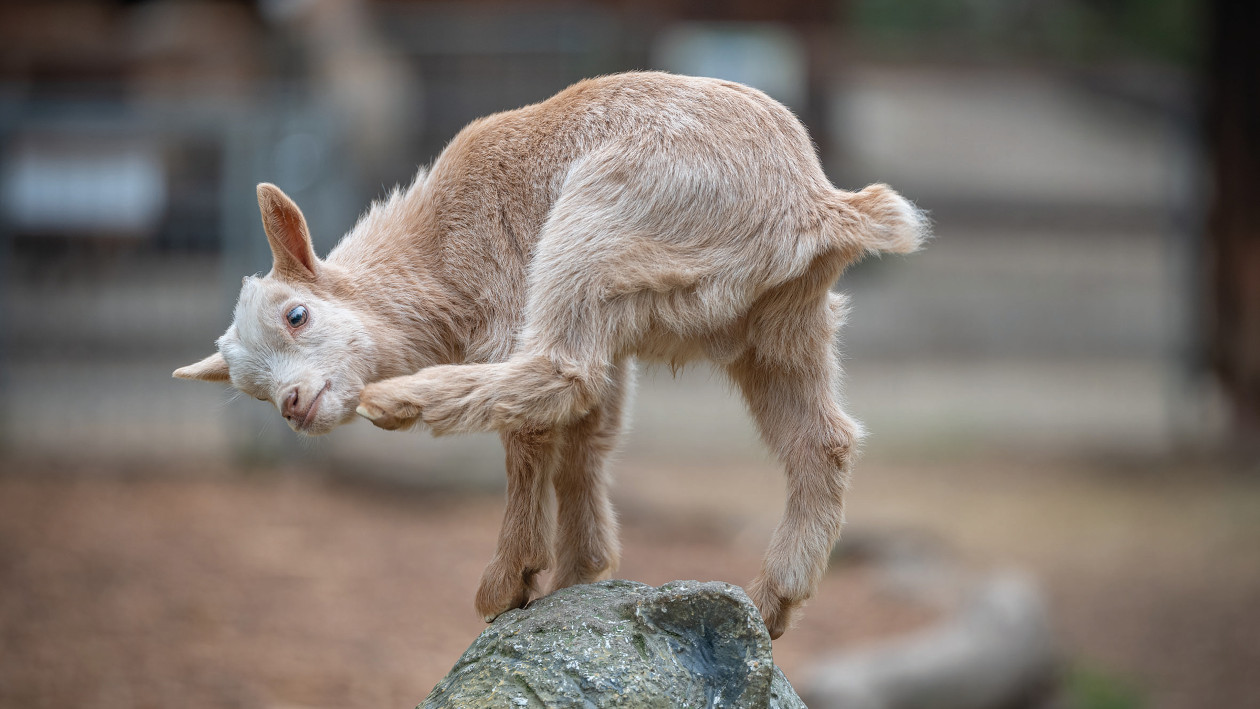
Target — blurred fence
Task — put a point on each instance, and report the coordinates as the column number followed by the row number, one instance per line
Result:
column 1054, row 311
column 128, row 214
column 122, row 224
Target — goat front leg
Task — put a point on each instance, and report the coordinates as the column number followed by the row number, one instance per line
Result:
column 586, row 531
column 525, row 391
column 451, row 398
column 524, row 547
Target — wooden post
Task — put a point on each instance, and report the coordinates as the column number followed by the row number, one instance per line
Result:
column 1234, row 232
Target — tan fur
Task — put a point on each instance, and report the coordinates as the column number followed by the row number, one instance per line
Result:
column 638, row 216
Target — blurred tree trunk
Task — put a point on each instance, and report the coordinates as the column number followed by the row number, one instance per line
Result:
column 1234, row 233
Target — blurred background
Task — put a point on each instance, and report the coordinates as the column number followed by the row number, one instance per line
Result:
column 1066, row 381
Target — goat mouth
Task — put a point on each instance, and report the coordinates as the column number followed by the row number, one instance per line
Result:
column 314, row 407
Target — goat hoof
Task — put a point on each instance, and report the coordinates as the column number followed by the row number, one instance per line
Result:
column 502, row 590
column 383, row 408
column 776, row 611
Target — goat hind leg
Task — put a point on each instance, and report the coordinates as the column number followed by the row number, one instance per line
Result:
column 797, row 413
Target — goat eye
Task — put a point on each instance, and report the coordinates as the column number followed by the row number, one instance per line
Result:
column 297, row 316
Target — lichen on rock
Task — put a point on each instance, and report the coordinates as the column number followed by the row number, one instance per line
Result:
column 622, row 644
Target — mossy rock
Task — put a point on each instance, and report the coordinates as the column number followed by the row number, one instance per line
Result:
column 622, row 644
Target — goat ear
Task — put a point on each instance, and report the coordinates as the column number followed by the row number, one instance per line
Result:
column 292, row 255
column 211, row 369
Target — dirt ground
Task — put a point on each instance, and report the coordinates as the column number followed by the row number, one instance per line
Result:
column 287, row 590
column 1152, row 569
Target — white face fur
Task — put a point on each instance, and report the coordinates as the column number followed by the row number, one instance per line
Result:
column 309, row 356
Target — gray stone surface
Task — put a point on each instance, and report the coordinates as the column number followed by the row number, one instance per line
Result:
column 622, row 644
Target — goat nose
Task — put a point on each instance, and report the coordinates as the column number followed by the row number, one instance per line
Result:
column 290, row 406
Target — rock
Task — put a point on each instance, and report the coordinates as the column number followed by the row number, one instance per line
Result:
column 622, row 644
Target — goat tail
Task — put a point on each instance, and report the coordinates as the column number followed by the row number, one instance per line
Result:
column 878, row 220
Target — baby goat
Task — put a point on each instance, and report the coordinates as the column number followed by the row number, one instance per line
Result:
column 638, row 216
